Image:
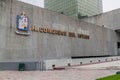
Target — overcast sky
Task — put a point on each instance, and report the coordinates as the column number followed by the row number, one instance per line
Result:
column 108, row 5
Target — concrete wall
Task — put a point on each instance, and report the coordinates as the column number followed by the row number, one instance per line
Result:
column 41, row 46
column 63, row 63
column 110, row 19
column 58, row 63
column 15, row 65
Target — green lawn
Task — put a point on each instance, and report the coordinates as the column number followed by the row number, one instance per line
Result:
column 113, row 77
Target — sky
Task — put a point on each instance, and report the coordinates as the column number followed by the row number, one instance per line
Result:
column 35, row 2
column 108, row 5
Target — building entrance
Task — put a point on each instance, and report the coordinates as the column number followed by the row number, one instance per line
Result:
column 118, row 48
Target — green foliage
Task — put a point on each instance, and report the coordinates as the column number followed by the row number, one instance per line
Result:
column 113, row 77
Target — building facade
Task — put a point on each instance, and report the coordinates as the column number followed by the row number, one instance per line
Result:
column 109, row 19
column 31, row 34
column 89, row 7
column 75, row 8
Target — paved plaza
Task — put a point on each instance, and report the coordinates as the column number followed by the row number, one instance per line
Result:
column 86, row 72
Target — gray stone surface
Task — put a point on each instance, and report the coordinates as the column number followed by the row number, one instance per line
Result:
column 41, row 46
column 15, row 65
column 109, row 19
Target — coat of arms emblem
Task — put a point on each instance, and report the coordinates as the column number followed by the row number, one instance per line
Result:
column 22, row 24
